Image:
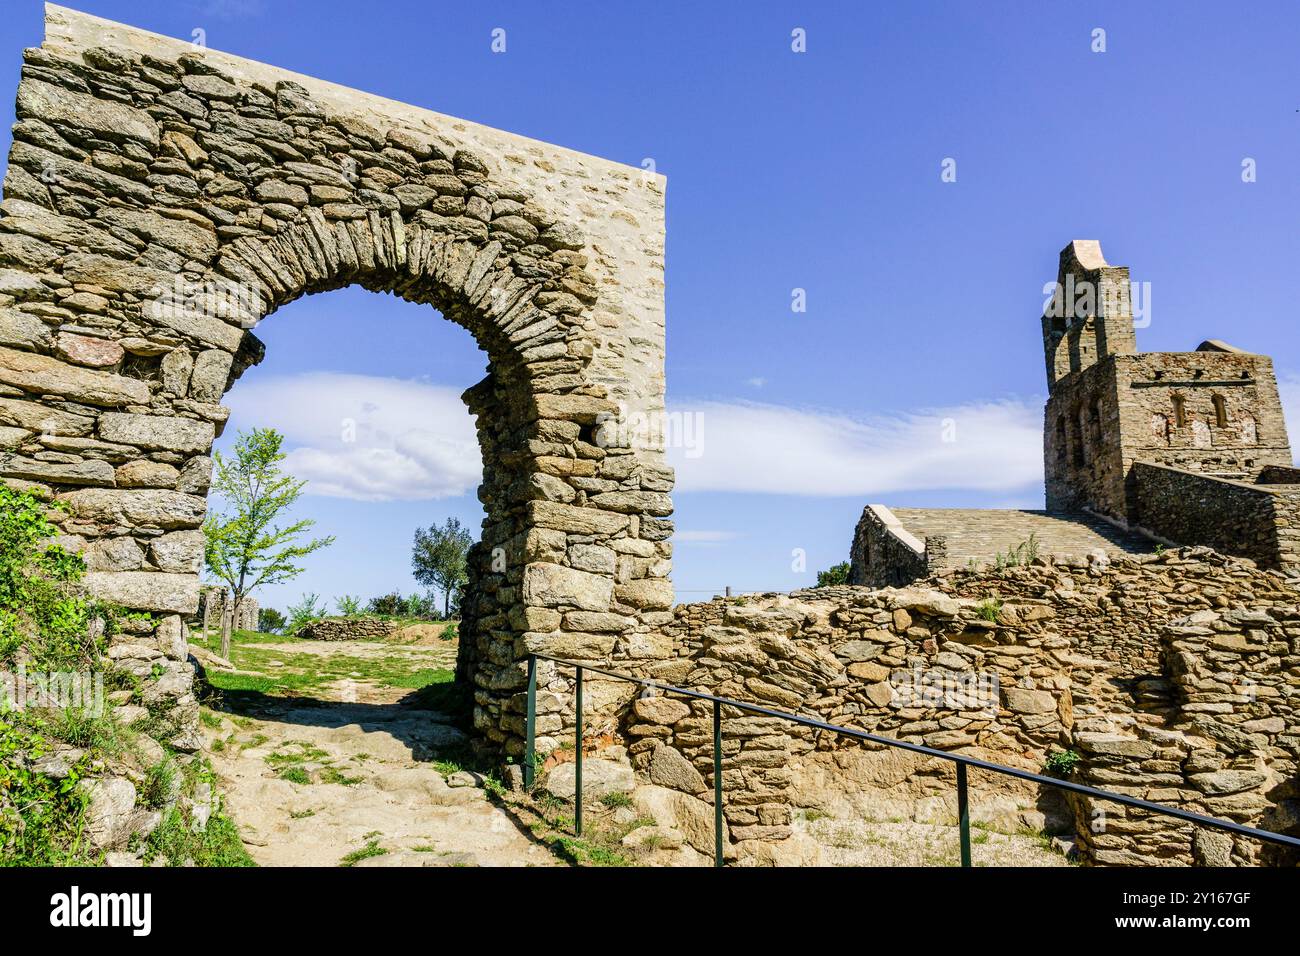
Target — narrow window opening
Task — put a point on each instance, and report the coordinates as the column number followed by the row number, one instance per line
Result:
column 1220, row 411
column 1180, row 411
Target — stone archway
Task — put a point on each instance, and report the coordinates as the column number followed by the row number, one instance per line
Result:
column 161, row 200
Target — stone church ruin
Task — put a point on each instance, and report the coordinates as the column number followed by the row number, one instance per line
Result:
column 1139, row 449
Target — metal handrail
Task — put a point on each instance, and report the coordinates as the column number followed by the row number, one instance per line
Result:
column 961, row 760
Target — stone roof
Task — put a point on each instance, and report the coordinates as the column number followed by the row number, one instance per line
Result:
column 980, row 534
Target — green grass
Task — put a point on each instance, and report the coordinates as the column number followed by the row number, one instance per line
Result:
column 295, row 675
column 304, row 753
column 591, row 854
column 421, row 678
column 176, row 843
column 366, row 852
column 295, row 775
column 334, row 775
column 160, row 784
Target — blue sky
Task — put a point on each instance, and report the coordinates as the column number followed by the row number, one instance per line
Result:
column 818, row 171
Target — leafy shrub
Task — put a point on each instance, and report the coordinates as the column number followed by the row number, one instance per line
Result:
column 1061, row 763
column 1022, row 554
column 390, row 605
column 393, row 604
column 836, row 574
column 40, row 817
column 348, row 605
column 309, row 609
column 988, row 609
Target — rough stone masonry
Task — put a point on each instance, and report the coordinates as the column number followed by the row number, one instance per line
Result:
column 1174, row 677
column 162, row 199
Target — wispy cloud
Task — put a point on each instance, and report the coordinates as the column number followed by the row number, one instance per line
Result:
column 367, row 437
column 752, row 447
column 382, row 439
column 690, row 536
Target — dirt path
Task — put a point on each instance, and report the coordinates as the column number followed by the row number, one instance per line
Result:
column 333, row 765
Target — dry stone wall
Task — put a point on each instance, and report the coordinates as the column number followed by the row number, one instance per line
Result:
column 160, row 200
column 1259, row 521
column 1175, row 677
column 347, row 629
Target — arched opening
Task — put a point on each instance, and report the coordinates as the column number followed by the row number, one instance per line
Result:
column 1080, row 425
column 182, row 207
column 366, row 392
column 1220, row 411
column 1180, row 410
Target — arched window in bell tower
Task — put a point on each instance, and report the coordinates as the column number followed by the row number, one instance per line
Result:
column 1180, row 411
column 1220, row 411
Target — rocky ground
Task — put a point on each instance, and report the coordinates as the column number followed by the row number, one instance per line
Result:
column 335, row 753
column 326, row 757
column 908, row 843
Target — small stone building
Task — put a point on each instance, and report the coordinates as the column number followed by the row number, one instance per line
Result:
column 1139, row 449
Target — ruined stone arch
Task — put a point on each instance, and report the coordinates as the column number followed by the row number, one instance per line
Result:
column 160, row 201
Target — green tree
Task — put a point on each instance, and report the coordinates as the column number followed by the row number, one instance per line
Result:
column 270, row 621
column 438, row 558
column 836, row 574
column 249, row 547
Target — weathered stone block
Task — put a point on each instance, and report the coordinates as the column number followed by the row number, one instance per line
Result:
column 146, row 590
column 42, row 374
column 551, row 585
column 162, row 509
column 157, row 431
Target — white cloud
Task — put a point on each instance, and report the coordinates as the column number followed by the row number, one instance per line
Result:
column 689, row 536
column 751, row 447
column 382, row 439
column 366, row 437
column 756, row 381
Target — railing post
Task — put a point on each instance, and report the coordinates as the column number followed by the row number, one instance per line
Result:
column 530, row 732
column 577, row 770
column 717, row 783
column 963, row 813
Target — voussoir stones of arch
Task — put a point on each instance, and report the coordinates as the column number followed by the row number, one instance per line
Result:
column 161, row 200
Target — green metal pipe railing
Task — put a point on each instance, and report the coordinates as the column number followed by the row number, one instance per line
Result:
column 961, row 760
